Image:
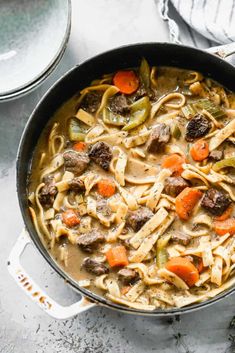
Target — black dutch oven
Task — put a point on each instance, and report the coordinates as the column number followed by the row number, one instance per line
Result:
column 159, row 54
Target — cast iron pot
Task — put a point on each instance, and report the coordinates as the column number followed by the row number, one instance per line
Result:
column 80, row 76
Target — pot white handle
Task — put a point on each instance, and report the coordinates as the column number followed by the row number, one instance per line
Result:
column 222, row 51
column 34, row 291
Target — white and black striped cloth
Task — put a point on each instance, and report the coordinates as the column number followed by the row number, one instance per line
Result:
column 200, row 23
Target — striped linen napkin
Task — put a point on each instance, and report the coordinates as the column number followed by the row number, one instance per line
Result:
column 199, row 23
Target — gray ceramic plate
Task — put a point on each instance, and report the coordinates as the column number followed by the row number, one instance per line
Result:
column 33, row 37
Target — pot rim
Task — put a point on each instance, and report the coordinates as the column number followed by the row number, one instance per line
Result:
column 40, row 246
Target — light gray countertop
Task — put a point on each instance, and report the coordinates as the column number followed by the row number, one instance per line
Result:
column 24, row 328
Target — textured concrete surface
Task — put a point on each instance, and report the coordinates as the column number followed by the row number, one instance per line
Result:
column 24, row 328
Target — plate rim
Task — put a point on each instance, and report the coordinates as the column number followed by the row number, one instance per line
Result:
column 40, row 77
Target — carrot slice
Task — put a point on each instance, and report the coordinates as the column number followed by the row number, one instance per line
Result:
column 223, row 227
column 70, row 218
column 126, row 81
column 186, row 201
column 183, row 268
column 117, row 256
column 174, row 162
column 125, row 289
column 106, row 187
column 79, row 146
column 227, row 213
column 199, row 150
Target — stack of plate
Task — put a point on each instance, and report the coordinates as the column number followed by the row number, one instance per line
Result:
column 33, row 38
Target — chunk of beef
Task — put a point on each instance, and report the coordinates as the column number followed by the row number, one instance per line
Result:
column 140, row 93
column 76, row 184
column 215, row 201
column 75, row 162
column 118, row 104
column 48, row 192
column 174, row 185
column 101, row 154
column 91, row 101
column 216, row 155
column 197, row 127
column 180, row 238
column 89, row 241
column 136, row 219
column 128, row 276
column 158, row 138
column 95, row 267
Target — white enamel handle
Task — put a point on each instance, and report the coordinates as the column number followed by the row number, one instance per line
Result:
column 222, row 51
column 34, row 291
